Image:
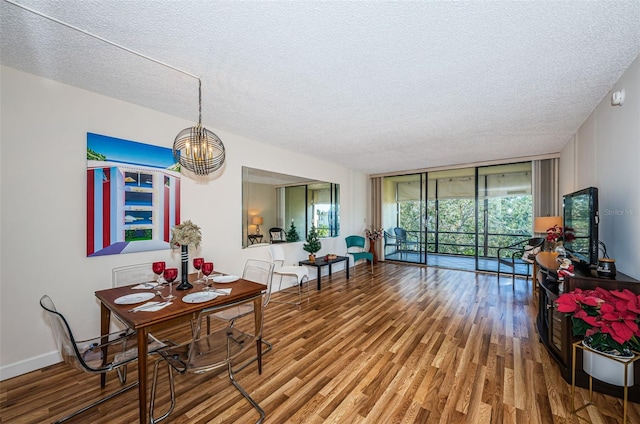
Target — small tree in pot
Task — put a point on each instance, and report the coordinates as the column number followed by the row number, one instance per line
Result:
column 313, row 243
column 292, row 234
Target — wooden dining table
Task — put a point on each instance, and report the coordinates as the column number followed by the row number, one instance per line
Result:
column 178, row 312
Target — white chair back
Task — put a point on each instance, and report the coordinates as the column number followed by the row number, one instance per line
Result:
column 260, row 272
column 132, row 274
column 277, row 253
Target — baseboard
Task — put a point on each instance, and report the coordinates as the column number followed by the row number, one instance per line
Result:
column 28, row 365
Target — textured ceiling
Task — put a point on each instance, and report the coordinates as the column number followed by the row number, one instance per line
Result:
column 373, row 85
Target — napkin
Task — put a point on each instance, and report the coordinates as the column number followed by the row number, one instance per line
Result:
column 223, row 292
column 147, row 285
column 151, row 306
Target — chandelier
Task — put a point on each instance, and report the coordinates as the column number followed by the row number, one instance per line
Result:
column 198, row 149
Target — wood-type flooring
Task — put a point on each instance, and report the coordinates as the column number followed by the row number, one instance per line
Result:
column 407, row 344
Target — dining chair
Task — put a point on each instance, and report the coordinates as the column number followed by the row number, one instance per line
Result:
column 199, row 355
column 98, row 355
column 300, row 273
column 132, row 274
column 355, row 248
column 124, row 276
column 518, row 252
column 258, row 271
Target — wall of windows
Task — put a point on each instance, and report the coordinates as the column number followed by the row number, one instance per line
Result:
column 457, row 218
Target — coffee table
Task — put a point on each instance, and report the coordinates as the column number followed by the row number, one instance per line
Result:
column 320, row 262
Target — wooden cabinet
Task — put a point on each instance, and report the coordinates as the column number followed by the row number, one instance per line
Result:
column 553, row 325
column 554, row 328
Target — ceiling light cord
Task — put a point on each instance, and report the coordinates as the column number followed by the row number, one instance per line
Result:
column 196, row 148
column 104, row 40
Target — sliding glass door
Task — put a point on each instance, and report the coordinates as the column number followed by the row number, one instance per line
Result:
column 457, row 218
column 403, row 218
column 451, row 219
column 505, row 210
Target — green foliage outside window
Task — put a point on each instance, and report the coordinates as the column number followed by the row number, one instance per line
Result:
column 509, row 220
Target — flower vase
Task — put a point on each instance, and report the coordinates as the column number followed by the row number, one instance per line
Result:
column 372, row 250
column 184, row 284
column 606, row 367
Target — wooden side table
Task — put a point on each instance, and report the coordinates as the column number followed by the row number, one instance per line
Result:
column 255, row 238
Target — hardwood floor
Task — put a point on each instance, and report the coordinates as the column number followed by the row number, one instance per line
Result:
column 406, row 345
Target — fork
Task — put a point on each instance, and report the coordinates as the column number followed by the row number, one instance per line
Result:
column 211, row 289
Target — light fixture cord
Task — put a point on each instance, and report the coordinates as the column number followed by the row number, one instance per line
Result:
column 199, row 102
column 104, row 40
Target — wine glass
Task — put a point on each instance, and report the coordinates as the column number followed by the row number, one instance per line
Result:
column 207, row 269
column 158, row 269
column 170, row 274
column 197, row 264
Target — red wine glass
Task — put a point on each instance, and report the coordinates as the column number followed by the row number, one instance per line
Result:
column 197, row 264
column 207, row 269
column 158, row 269
column 170, row 274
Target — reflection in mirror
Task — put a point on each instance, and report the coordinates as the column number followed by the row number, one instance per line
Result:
column 284, row 200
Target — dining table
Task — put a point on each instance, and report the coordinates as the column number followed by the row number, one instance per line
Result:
column 178, row 312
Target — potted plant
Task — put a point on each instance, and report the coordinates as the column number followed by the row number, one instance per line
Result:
column 373, row 234
column 292, row 234
column 608, row 320
column 313, row 243
column 557, row 234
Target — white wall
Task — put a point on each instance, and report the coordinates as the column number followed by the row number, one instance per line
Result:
column 43, row 212
column 605, row 153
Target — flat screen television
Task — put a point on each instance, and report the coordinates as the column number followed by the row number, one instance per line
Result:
column 580, row 218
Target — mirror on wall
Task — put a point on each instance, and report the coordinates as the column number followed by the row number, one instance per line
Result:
column 271, row 201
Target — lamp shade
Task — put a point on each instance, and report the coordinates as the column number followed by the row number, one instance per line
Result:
column 542, row 223
column 257, row 220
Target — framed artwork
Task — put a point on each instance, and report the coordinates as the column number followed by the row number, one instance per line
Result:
column 133, row 196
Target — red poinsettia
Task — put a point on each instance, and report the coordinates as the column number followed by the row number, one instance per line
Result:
column 608, row 317
column 558, row 233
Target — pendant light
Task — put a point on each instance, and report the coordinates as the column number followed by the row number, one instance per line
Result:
column 198, row 149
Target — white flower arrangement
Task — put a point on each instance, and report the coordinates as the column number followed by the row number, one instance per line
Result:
column 374, row 233
column 186, row 234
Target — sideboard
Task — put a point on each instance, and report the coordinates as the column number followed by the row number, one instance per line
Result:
column 554, row 328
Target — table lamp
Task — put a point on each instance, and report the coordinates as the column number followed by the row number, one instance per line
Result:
column 542, row 223
column 257, row 221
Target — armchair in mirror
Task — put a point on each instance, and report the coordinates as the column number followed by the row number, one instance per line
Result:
column 282, row 200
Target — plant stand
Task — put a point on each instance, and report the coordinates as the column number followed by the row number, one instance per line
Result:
column 623, row 362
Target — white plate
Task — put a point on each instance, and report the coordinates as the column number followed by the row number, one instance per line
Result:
column 225, row 278
column 199, row 297
column 130, row 299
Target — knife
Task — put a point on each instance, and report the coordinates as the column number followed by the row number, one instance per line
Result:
column 148, row 305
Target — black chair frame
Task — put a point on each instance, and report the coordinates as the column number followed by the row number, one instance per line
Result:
column 517, row 251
